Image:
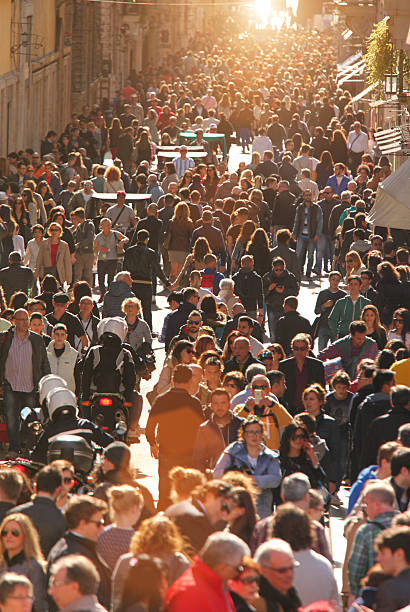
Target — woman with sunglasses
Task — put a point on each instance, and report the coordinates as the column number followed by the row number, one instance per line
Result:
column 297, row 455
column 244, row 589
column 20, row 553
column 54, row 256
column 401, row 327
column 271, row 356
column 250, row 456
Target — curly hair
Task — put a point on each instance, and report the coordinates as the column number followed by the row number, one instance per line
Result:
column 157, row 536
column 293, row 525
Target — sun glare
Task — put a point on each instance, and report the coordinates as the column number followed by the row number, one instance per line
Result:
column 268, row 14
column 263, row 9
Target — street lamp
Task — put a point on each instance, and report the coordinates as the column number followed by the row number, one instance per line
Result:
column 391, row 83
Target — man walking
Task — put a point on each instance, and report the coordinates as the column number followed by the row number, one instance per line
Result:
column 142, row 262
column 84, row 246
column 172, row 427
column 306, row 230
column 23, row 361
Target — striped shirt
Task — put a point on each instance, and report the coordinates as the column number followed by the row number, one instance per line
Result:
column 19, row 364
column 181, row 165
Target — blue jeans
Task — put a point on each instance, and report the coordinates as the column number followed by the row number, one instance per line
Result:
column 245, row 136
column 14, row 402
column 273, row 316
column 325, row 251
column 324, row 337
column 305, row 245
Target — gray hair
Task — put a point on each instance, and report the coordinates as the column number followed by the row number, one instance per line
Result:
column 81, row 570
column 9, row 581
column 346, row 195
column 226, row 283
column 121, row 276
column 295, row 487
column 253, row 370
column 222, row 547
column 404, row 435
column 274, row 545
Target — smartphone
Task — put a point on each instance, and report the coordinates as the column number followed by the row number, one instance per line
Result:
column 258, row 395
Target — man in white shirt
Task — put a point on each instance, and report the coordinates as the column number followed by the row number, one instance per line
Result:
column 262, row 142
column 357, row 144
column 209, row 101
column 305, row 161
column 307, row 184
column 245, row 327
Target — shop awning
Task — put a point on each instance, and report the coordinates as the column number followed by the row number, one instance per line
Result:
column 364, row 93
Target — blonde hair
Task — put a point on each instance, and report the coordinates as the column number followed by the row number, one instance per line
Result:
column 54, row 224
column 181, row 213
column 131, row 301
column 184, row 481
column 31, row 541
column 354, row 255
column 123, row 498
column 157, row 536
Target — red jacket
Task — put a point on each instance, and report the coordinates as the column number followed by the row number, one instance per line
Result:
column 199, row 588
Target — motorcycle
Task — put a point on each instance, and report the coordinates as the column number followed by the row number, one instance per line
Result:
column 111, row 413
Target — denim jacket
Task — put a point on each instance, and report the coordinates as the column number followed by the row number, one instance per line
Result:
column 267, row 472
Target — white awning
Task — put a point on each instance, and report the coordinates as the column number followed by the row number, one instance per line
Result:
column 364, row 93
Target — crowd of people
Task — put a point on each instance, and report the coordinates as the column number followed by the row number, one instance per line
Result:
column 261, row 412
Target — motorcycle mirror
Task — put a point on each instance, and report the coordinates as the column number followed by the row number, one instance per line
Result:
column 121, row 428
column 25, row 413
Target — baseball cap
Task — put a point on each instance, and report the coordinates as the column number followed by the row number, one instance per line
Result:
column 61, row 298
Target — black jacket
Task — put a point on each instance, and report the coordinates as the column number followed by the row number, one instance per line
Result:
column 16, row 278
column 274, row 299
column 284, row 209
column 315, row 374
column 383, row 429
column 276, row 601
column 233, row 365
column 373, row 406
column 141, row 262
column 394, row 594
column 46, row 518
column 72, row 544
column 177, row 318
column 288, row 326
column 192, row 522
column 40, row 364
column 69, row 425
column 154, row 227
column 248, row 287
column 102, row 374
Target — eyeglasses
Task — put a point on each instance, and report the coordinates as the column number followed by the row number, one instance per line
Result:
column 300, row 348
column 280, row 570
column 299, row 437
column 266, row 355
column 398, row 320
column 260, row 386
column 249, row 579
column 14, row 532
column 57, row 583
column 99, row 523
column 54, row 230
column 191, row 322
column 238, row 568
column 253, row 432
